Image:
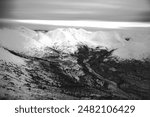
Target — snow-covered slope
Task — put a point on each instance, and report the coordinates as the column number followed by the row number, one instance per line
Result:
column 8, row 57
column 13, row 39
column 18, row 41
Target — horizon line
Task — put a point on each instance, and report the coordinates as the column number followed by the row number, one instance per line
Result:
column 80, row 23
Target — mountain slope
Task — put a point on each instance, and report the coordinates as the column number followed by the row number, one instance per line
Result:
column 54, row 72
column 74, row 76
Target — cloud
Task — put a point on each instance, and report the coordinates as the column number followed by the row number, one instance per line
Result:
column 5, row 6
column 112, row 10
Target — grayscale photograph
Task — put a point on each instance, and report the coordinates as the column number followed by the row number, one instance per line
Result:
column 74, row 49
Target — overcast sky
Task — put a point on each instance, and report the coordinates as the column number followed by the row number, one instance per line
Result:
column 106, row 10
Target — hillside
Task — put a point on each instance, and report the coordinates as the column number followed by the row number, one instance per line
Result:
column 88, row 71
column 87, row 74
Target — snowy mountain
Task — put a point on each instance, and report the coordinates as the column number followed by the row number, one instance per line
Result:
column 69, row 63
column 67, row 40
column 18, row 41
column 70, row 37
